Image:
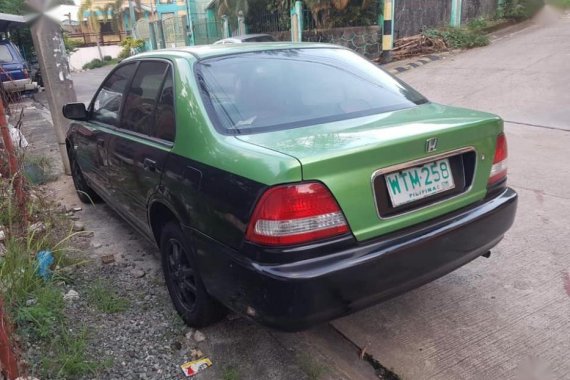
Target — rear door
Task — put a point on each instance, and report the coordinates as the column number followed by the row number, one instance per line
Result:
column 138, row 149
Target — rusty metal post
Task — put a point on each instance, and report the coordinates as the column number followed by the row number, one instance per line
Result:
column 52, row 57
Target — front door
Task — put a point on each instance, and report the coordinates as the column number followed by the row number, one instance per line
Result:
column 92, row 136
column 138, row 149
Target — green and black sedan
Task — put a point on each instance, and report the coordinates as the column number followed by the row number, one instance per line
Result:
column 290, row 183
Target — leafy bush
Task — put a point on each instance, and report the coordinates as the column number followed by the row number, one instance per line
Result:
column 129, row 45
column 107, row 58
column 477, row 24
column 459, row 38
column 93, row 64
column 520, row 9
column 71, row 45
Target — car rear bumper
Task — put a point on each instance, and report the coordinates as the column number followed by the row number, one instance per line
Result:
column 20, row 85
column 296, row 295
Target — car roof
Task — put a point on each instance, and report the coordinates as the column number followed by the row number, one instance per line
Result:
column 208, row 51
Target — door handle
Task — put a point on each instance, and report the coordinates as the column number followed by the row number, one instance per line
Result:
column 149, row 164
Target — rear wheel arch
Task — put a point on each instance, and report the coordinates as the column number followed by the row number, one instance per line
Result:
column 159, row 215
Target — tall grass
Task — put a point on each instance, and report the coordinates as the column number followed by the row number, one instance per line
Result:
column 34, row 304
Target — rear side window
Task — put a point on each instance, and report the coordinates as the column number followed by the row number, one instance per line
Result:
column 165, row 122
column 5, row 55
column 107, row 105
column 280, row 89
column 142, row 97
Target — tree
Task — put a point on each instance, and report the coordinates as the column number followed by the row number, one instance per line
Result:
column 92, row 22
column 231, row 8
column 15, row 7
column 115, row 9
column 325, row 13
column 55, row 3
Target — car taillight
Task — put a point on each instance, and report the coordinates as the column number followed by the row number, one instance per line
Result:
column 499, row 168
column 294, row 214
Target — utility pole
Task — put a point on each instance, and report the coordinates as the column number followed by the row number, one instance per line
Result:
column 132, row 19
column 388, row 30
column 52, row 57
column 456, row 8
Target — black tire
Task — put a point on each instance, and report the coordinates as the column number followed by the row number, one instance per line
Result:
column 187, row 291
column 84, row 192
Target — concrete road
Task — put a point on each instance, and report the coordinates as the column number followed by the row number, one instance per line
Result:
column 507, row 316
column 87, row 82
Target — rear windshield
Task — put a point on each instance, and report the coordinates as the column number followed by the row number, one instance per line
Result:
column 281, row 89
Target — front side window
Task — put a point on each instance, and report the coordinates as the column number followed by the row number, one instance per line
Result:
column 281, row 89
column 142, row 97
column 106, row 107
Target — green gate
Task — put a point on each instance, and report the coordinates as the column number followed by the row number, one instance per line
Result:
column 174, row 31
column 206, row 31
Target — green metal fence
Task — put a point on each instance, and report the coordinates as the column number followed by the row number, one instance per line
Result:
column 269, row 22
column 206, row 31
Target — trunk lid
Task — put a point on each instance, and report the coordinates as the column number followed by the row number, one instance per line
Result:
column 345, row 156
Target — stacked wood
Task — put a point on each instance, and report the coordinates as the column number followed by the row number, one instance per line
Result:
column 417, row 45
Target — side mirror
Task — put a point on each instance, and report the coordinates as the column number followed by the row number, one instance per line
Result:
column 75, row 111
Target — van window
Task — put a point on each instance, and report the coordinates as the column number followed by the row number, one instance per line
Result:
column 5, row 55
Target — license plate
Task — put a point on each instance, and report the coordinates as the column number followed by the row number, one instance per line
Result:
column 419, row 182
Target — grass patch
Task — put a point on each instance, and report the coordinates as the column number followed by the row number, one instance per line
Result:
column 68, row 357
column 230, row 373
column 312, row 368
column 38, row 170
column 33, row 304
column 42, row 313
column 106, row 300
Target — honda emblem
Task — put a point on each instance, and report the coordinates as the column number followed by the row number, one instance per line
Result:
column 431, row 145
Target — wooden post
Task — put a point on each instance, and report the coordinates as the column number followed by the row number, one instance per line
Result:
column 48, row 42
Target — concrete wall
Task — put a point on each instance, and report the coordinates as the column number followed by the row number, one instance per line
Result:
column 478, row 8
column 411, row 16
column 86, row 54
column 364, row 40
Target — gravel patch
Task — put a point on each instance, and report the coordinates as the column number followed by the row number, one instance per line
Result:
column 147, row 339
